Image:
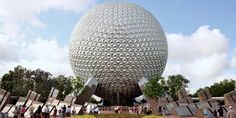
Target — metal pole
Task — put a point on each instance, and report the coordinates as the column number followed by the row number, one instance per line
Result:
column 118, row 98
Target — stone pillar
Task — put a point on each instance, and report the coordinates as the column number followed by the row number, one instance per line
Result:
column 87, row 92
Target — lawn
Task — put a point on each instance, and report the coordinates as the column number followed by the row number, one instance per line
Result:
column 116, row 116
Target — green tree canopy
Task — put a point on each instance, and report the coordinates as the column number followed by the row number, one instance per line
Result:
column 154, row 88
column 77, row 85
column 158, row 86
column 17, row 81
column 174, row 83
column 64, row 85
column 220, row 88
column 20, row 80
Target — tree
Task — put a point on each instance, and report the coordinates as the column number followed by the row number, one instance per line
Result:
column 196, row 93
column 154, row 88
column 77, row 85
column 20, row 80
column 174, row 83
column 43, row 82
column 219, row 89
column 64, row 85
column 16, row 81
column 158, row 86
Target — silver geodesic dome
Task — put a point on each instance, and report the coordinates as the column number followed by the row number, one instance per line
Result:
column 118, row 44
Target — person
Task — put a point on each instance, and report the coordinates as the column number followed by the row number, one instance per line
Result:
column 38, row 113
column 160, row 110
column 163, row 111
column 139, row 109
column 46, row 112
column 231, row 113
column 116, row 109
column 145, row 109
column 135, row 109
column 64, row 110
column 22, row 111
column 220, row 111
column 205, row 112
column 60, row 114
column 68, row 111
column 73, row 111
column 130, row 111
column 18, row 110
column 31, row 110
column 96, row 110
column 54, row 113
column 149, row 110
column 215, row 113
column 15, row 112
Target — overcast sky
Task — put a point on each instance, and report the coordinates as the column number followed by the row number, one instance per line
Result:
column 200, row 33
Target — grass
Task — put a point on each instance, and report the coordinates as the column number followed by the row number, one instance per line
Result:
column 116, row 116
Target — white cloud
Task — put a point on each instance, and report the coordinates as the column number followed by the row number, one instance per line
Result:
column 6, row 52
column 44, row 54
column 47, row 55
column 21, row 45
column 201, row 43
column 233, row 61
column 26, row 11
column 201, row 57
column 45, row 50
column 209, row 66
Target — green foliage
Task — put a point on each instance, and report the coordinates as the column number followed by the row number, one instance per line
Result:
column 20, row 80
column 17, row 82
column 158, row 86
column 154, row 88
column 77, row 85
column 42, row 82
column 219, row 89
column 122, row 115
column 83, row 116
column 174, row 83
column 196, row 93
column 152, row 116
column 63, row 84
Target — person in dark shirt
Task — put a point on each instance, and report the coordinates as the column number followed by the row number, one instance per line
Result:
column 215, row 113
column 38, row 112
column 220, row 110
column 64, row 110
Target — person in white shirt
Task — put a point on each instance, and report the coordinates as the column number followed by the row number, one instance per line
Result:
column 46, row 112
column 60, row 114
column 68, row 111
column 73, row 111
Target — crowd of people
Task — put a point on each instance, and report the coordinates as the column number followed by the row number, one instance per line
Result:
column 19, row 112
column 67, row 111
column 136, row 109
column 219, row 113
column 139, row 109
column 94, row 110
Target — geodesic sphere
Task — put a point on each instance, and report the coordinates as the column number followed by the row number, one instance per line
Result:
column 118, row 44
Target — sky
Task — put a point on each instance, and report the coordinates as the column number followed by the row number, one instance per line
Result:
column 200, row 35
